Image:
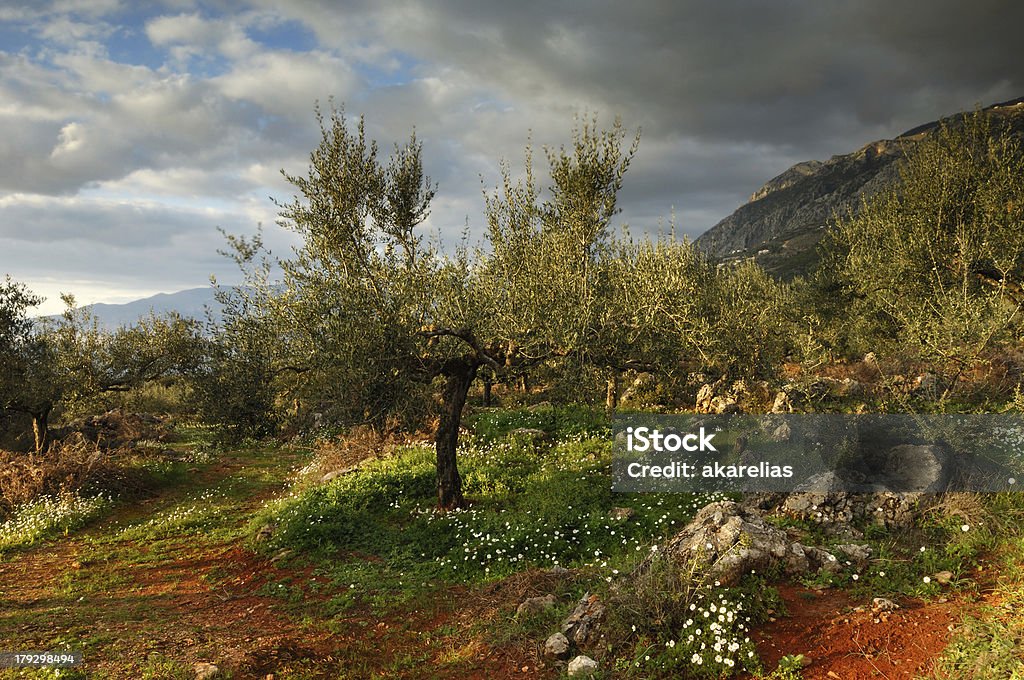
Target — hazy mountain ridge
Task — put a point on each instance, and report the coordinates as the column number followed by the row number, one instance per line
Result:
column 193, row 303
column 784, row 220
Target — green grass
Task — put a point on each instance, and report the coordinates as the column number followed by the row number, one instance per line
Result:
column 532, row 504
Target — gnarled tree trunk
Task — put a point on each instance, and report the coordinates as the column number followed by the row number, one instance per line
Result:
column 611, row 401
column 41, row 430
column 459, row 374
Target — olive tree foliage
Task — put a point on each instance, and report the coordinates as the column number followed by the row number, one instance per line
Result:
column 936, row 266
column 370, row 314
column 235, row 365
column 752, row 329
column 543, row 264
column 26, row 379
column 68, row 365
column 373, row 322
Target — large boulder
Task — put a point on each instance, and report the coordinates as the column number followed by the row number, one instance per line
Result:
column 917, row 468
column 727, row 540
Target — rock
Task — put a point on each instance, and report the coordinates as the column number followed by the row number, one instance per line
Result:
column 556, row 647
column 858, row 554
column 729, row 540
column 727, row 406
column 581, row 626
column 334, row 474
column 705, row 397
column 917, row 468
column 581, row 666
column 782, row 433
column 781, row 403
column 943, row 577
column 535, row 605
column 206, row 671
column 265, row 533
column 881, row 604
column 621, row 514
column 836, row 510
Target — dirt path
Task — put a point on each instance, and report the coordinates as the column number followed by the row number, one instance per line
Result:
column 849, row 640
column 170, row 582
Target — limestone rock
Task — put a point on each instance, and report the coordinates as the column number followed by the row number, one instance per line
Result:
column 206, row 671
column 535, row 605
column 581, row 626
column 581, row 666
column 918, row 468
column 556, row 647
column 729, row 540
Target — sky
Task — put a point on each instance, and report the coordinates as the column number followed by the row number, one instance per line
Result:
column 131, row 132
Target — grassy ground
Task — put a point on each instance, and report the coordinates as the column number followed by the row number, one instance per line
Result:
column 245, row 559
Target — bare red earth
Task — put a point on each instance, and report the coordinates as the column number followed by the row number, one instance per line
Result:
column 845, row 644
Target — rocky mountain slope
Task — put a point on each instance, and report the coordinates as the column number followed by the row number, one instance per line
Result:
column 783, row 221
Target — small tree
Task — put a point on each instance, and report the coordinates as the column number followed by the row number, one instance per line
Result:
column 27, row 384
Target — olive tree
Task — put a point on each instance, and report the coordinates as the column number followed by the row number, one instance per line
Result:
column 375, row 320
column 27, row 384
column 69, row 363
column 937, row 264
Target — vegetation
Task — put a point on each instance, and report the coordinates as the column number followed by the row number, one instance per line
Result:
column 935, row 266
column 460, row 394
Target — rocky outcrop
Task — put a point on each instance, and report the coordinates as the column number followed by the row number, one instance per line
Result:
column 727, row 540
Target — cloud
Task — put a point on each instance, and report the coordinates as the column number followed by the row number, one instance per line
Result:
column 135, row 132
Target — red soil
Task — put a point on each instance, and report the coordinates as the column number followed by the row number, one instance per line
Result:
column 845, row 644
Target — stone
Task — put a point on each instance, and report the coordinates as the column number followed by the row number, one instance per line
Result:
column 782, row 433
column 265, row 533
column 858, row 554
column 705, row 397
column 781, row 403
column 621, row 514
column 917, row 468
column 581, row 666
column 882, row 604
column 728, row 540
column 581, row 626
column 532, row 606
column 556, row 647
column 206, row 671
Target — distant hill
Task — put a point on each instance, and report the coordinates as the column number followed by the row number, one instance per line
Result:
column 782, row 223
column 186, row 303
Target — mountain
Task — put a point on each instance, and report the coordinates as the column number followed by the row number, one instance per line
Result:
column 782, row 223
column 186, row 303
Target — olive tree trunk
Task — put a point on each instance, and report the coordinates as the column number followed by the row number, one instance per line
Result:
column 459, row 375
column 41, row 430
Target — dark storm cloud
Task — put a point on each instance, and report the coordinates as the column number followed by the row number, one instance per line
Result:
column 148, row 152
column 780, row 72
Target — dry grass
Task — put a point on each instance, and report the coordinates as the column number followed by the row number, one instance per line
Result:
column 68, row 466
column 348, row 451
